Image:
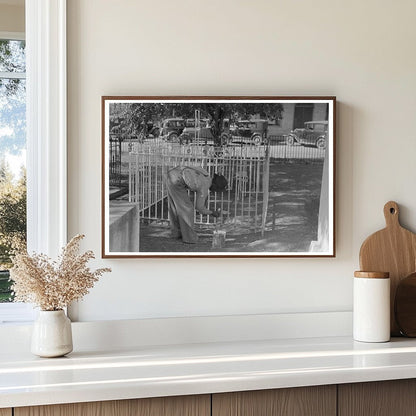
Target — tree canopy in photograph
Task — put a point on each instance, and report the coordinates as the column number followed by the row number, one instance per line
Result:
column 132, row 117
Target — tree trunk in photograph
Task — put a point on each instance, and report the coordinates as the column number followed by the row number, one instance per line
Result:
column 322, row 243
column 266, row 184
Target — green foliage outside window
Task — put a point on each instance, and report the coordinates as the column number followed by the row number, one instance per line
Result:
column 12, row 223
column 12, row 148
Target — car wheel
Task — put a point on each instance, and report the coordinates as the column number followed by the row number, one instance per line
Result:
column 321, row 143
column 184, row 139
column 290, row 140
column 256, row 139
column 174, row 138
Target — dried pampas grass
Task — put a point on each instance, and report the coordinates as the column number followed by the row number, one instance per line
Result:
column 53, row 285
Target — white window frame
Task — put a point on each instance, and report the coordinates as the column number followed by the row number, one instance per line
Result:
column 46, row 134
column 14, row 312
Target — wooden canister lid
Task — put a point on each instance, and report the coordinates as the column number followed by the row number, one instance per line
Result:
column 372, row 275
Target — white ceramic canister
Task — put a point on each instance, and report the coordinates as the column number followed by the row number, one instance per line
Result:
column 371, row 309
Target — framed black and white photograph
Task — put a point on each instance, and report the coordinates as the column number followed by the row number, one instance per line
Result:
column 218, row 176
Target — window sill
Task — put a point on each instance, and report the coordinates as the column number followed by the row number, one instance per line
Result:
column 16, row 313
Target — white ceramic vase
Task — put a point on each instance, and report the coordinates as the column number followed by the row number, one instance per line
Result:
column 52, row 334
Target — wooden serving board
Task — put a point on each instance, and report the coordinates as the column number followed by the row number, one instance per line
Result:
column 393, row 250
column 405, row 306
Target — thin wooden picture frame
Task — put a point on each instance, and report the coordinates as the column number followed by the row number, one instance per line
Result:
column 272, row 156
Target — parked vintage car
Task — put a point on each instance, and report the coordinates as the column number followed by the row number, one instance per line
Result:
column 315, row 133
column 249, row 131
column 193, row 122
column 203, row 132
column 172, row 128
column 149, row 131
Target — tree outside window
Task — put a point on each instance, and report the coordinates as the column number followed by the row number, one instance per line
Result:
column 12, row 156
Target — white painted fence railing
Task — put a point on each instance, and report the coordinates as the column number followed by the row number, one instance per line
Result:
column 246, row 169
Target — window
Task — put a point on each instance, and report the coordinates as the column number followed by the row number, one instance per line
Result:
column 12, row 166
column 303, row 112
column 12, row 155
column 46, row 134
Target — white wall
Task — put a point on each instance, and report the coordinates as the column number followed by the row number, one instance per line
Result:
column 12, row 18
column 361, row 51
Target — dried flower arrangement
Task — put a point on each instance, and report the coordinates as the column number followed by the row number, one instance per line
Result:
column 53, row 285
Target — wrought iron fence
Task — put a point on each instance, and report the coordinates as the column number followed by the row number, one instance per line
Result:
column 115, row 162
column 246, row 169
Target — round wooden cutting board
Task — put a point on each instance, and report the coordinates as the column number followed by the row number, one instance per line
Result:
column 392, row 250
column 405, row 306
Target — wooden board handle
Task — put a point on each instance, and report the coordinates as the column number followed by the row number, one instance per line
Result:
column 391, row 214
